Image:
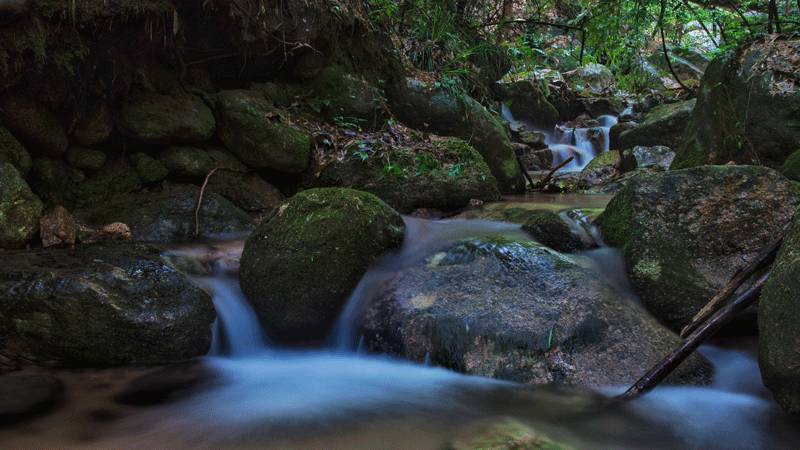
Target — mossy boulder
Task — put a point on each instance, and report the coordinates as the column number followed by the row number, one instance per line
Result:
column 166, row 119
column 778, row 316
column 527, row 101
column 684, row 233
column 433, row 108
column 442, row 174
column 791, row 167
column 149, row 169
column 258, row 135
column 248, row 191
column 20, row 209
column 342, row 97
column 657, row 157
column 11, row 151
column 33, row 124
column 85, row 158
column 748, row 108
column 550, row 229
column 663, row 125
column 510, row 308
column 298, row 268
column 591, row 78
column 99, row 305
column 602, row 169
column 195, row 163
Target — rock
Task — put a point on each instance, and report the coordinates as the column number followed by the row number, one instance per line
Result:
column 747, row 108
column 166, row 384
column 615, row 132
column 195, row 163
column 55, row 181
column 548, row 228
column 533, row 138
column 602, row 169
column 168, row 216
column 58, row 228
column 100, row 305
column 534, row 160
column 511, row 309
column 28, row 395
column 592, row 78
column 662, row 125
column 248, row 191
column 33, row 124
column 688, row 65
column 20, row 209
column 11, row 151
column 791, row 167
column 504, row 434
column 166, row 119
column 655, row 158
column 149, row 169
column 257, row 134
column 298, row 268
column 95, row 127
column 116, row 177
column 342, row 97
column 778, row 315
column 444, row 174
column 431, row 108
column 685, row 233
column 527, row 101
column 85, row 158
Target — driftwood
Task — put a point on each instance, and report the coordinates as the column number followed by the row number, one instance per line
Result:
column 543, row 182
column 661, row 370
column 200, row 203
column 763, row 260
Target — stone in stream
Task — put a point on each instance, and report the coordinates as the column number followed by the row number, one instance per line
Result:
column 27, row 395
column 602, row 169
column 99, row 305
column 548, row 228
column 663, row 125
column 299, row 267
column 516, row 310
column 20, row 209
column 685, row 233
column 778, row 316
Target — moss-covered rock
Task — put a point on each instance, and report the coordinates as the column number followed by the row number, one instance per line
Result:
column 342, row 97
column 195, row 163
column 85, row 158
column 55, row 181
column 99, row 305
column 591, row 78
column 442, row 174
column 505, row 434
column 527, row 100
column 550, row 229
column 656, row 157
column 433, row 108
column 20, row 209
column 166, row 119
column 299, row 267
column 248, row 191
column 663, row 125
column 778, row 316
column 257, row 134
column 149, row 169
column 11, row 151
column 685, row 233
column 791, row 167
column 602, row 169
column 58, row 183
column 33, row 124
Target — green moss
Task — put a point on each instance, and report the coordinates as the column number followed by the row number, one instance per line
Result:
column 20, row 209
column 548, row 228
column 791, row 167
column 11, row 151
column 507, row 434
column 149, row 169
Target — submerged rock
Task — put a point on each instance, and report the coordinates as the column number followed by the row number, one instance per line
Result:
column 504, row 434
column 11, row 151
column 100, row 305
column 20, row 209
column 34, row 125
column 548, row 228
column 663, row 125
column 298, row 268
column 27, row 395
column 778, row 316
column 685, row 233
column 168, row 119
column 518, row 311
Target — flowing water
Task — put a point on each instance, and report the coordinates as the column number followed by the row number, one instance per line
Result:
column 254, row 394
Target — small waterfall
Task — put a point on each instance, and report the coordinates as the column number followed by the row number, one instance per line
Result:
column 583, row 144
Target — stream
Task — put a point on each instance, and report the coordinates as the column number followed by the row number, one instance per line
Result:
column 249, row 393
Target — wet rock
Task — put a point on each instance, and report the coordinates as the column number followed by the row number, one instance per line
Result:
column 604, row 168
column 655, row 158
column 515, row 310
column 20, row 209
column 548, row 228
column 166, row 119
column 85, row 158
column 791, row 167
column 592, row 78
column 747, row 108
column 33, row 124
column 100, row 305
column 58, row 228
column 527, row 101
column 426, row 107
column 533, row 138
column 166, row 385
column 663, row 125
column 778, row 315
column 258, row 135
column 535, row 159
column 615, row 132
column 685, row 233
column 446, row 175
column 28, row 395
column 248, row 191
column 95, row 127
column 169, row 215
column 195, row 163
column 347, row 98
column 298, row 268
column 502, row 435
column 149, row 169
column 11, row 151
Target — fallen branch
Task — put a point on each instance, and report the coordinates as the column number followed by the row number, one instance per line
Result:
column 661, row 370
column 524, row 171
column 543, row 182
column 200, row 203
column 763, row 260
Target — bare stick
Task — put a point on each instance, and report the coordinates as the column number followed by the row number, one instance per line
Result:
column 524, row 171
column 200, row 203
column 661, row 370
column 547, row 178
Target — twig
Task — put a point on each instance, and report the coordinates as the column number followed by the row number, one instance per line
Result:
column 543, row 182
column 661, row 370
column 200, row 203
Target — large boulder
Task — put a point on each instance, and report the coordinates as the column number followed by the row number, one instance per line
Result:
column 602, row 169
column 685, row 233
column 345, row 98
column 195, row 163
column 58, row 183
column 444, row 174
column 248, row 191
column 511, row 309
column 11, row 151
column 169, row 215
column 747, row 108
column 166, row 119
column 436, row 109
column 778, row 316
column 20, row 209
column 33, row 124
column 527, row 101
column 99, row 305
column 298, row 268
column 663, row 125
column 591, row 78
column 258, row 135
